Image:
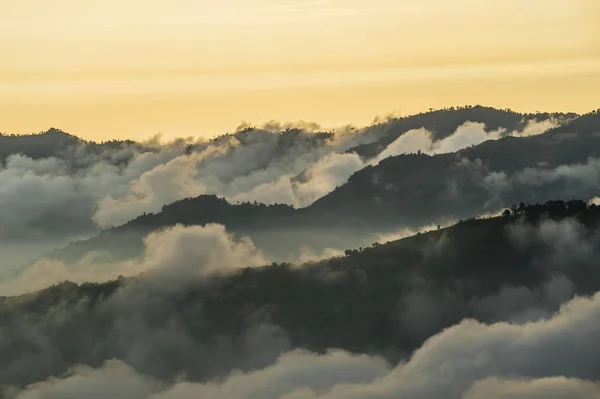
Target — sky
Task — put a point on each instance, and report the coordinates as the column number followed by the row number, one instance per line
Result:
column 134, row 68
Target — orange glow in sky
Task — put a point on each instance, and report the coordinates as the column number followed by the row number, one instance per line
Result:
column 133, row 68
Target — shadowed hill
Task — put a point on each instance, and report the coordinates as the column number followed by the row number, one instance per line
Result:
column 51, row 143
column 421, row 189
column 126, row 241
column 385, row 299
column 410, row 190
column 42, row 145
column 442, row 123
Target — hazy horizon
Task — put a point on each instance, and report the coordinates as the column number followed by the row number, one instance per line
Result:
column 269, row 124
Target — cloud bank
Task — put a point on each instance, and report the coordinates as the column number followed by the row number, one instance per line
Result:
column 75, row 193
column 556, row 357
column 176, row 257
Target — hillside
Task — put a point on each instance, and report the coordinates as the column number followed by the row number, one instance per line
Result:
column 56, row 143
column 442, row 123
column 126, row 241
column 385, row 299
column 410, row 190
column 420, row 189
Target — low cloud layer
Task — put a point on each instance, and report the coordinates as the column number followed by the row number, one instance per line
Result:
column 556, row 357
column 577, row 180
column 421, row 140
column 173, row 258
column 74, row 194
column 196, row 313
column 467, row 135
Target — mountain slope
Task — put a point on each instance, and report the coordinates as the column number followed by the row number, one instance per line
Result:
column 404, row 191
column 442, row 123
column 386, row 300
column 52, row 143
column 422, row 189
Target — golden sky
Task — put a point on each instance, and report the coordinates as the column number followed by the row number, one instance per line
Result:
column 133, row 68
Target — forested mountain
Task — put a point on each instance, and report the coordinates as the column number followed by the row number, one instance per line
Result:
column 410, row 190
column 442, row 123
column 266, row 263
column 126, row 241
column 385, row 299
column 53, row 143
column 420, row 189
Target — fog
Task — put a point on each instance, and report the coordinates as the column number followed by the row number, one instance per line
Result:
column 85, row 190
column 47, row 202
column 175, row 256
column 558, row 356
column 491, row 307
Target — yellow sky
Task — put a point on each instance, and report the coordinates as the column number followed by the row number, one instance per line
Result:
column 132, row 68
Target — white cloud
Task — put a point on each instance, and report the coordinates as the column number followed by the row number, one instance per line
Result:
column 534, row 128
column 174, row 257
column 413, row 141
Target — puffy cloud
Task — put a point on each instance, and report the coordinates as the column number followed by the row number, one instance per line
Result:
column 587, row 174
column 268, row 167
column 173, row 258
column 566, row 242
column 577, row 180
column 467, row 135
column 407, row 232
column 181, row 255
column 309, row 255
column 70, row 196
column 318, row 180
column 410, row 142
column 49, row 196
column 413, row 141
column 468, row 360
column 113, row 380
column 156, row 323
column 534, row 127
column 161, row 185
column 139, row 321
column 110, row 188
column 542, row 388
column 252, row 166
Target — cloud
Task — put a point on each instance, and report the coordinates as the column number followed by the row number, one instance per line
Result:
column 260, row 166
column 253, row 166
column 183, row 321
column 173, row 258
column 587, row 174
column 468, row 360
column 318, row 180
column 408, row 232
column 542, row 388
column 577, row 180
column 421, row 140
column 138, row 320
column 112, row 381
column 181, row 255
column 309, row 255
column 51, row 201
column 58, row 196
column 81, row 189
column 534, row 127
